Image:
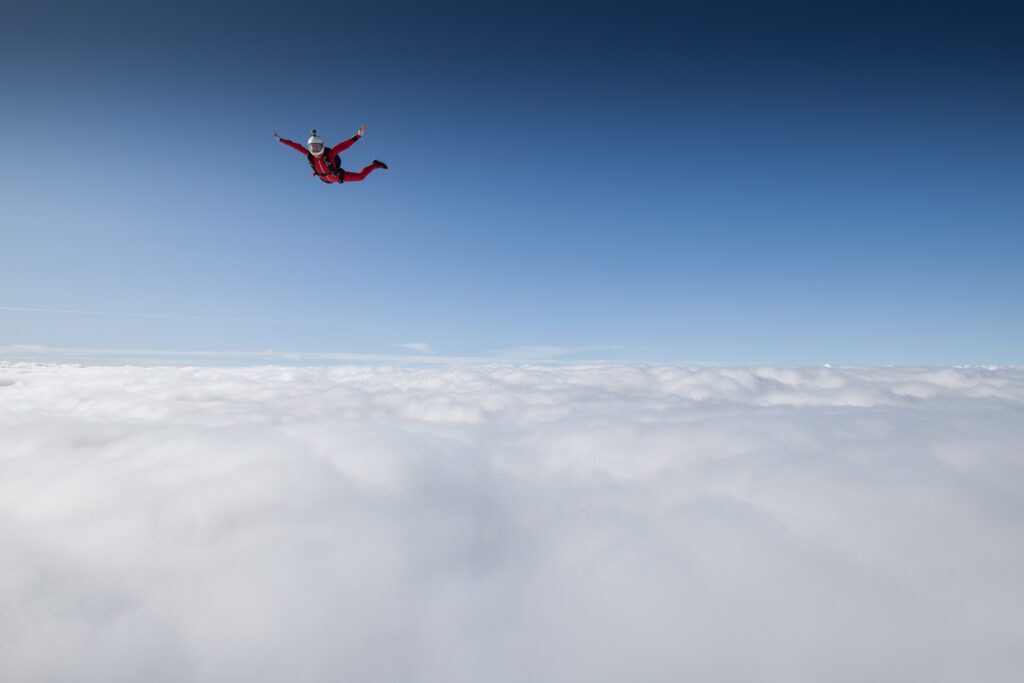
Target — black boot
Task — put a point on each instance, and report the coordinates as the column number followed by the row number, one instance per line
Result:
column 380, row 164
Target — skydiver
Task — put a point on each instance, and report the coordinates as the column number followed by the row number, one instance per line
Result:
column 326, row 163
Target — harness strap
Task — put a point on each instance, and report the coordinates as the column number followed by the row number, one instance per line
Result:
column 332, row 169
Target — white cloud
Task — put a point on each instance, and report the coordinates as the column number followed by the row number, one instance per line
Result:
column 422, row 347
column 535, row 352
column 424, row 356
column 510, row 522
column 547, row 352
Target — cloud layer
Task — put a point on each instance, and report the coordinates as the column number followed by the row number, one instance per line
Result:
column 511, row 522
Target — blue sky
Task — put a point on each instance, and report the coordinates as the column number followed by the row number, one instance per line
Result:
column 723, row 182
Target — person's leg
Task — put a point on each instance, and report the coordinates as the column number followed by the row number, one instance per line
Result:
column 351, row 177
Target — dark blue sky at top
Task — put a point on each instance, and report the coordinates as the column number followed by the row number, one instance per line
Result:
column 657, row 181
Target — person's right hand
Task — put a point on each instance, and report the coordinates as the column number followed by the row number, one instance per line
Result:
column 276, row 135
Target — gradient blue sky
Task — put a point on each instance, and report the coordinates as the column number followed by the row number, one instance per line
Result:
column 720, row 182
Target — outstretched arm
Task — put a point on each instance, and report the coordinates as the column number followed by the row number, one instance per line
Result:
column 345, row 144
column 294, row 145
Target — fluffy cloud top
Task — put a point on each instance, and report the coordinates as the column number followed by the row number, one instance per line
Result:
column 510, row 523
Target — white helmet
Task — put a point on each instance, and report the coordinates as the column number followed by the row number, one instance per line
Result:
column 315, row 145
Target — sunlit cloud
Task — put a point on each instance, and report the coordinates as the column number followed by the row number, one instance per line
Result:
column 510, row 522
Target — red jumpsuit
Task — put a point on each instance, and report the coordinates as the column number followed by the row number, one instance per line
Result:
column 325, row 172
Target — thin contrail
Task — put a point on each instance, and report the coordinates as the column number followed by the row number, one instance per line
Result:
column 168, row 316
